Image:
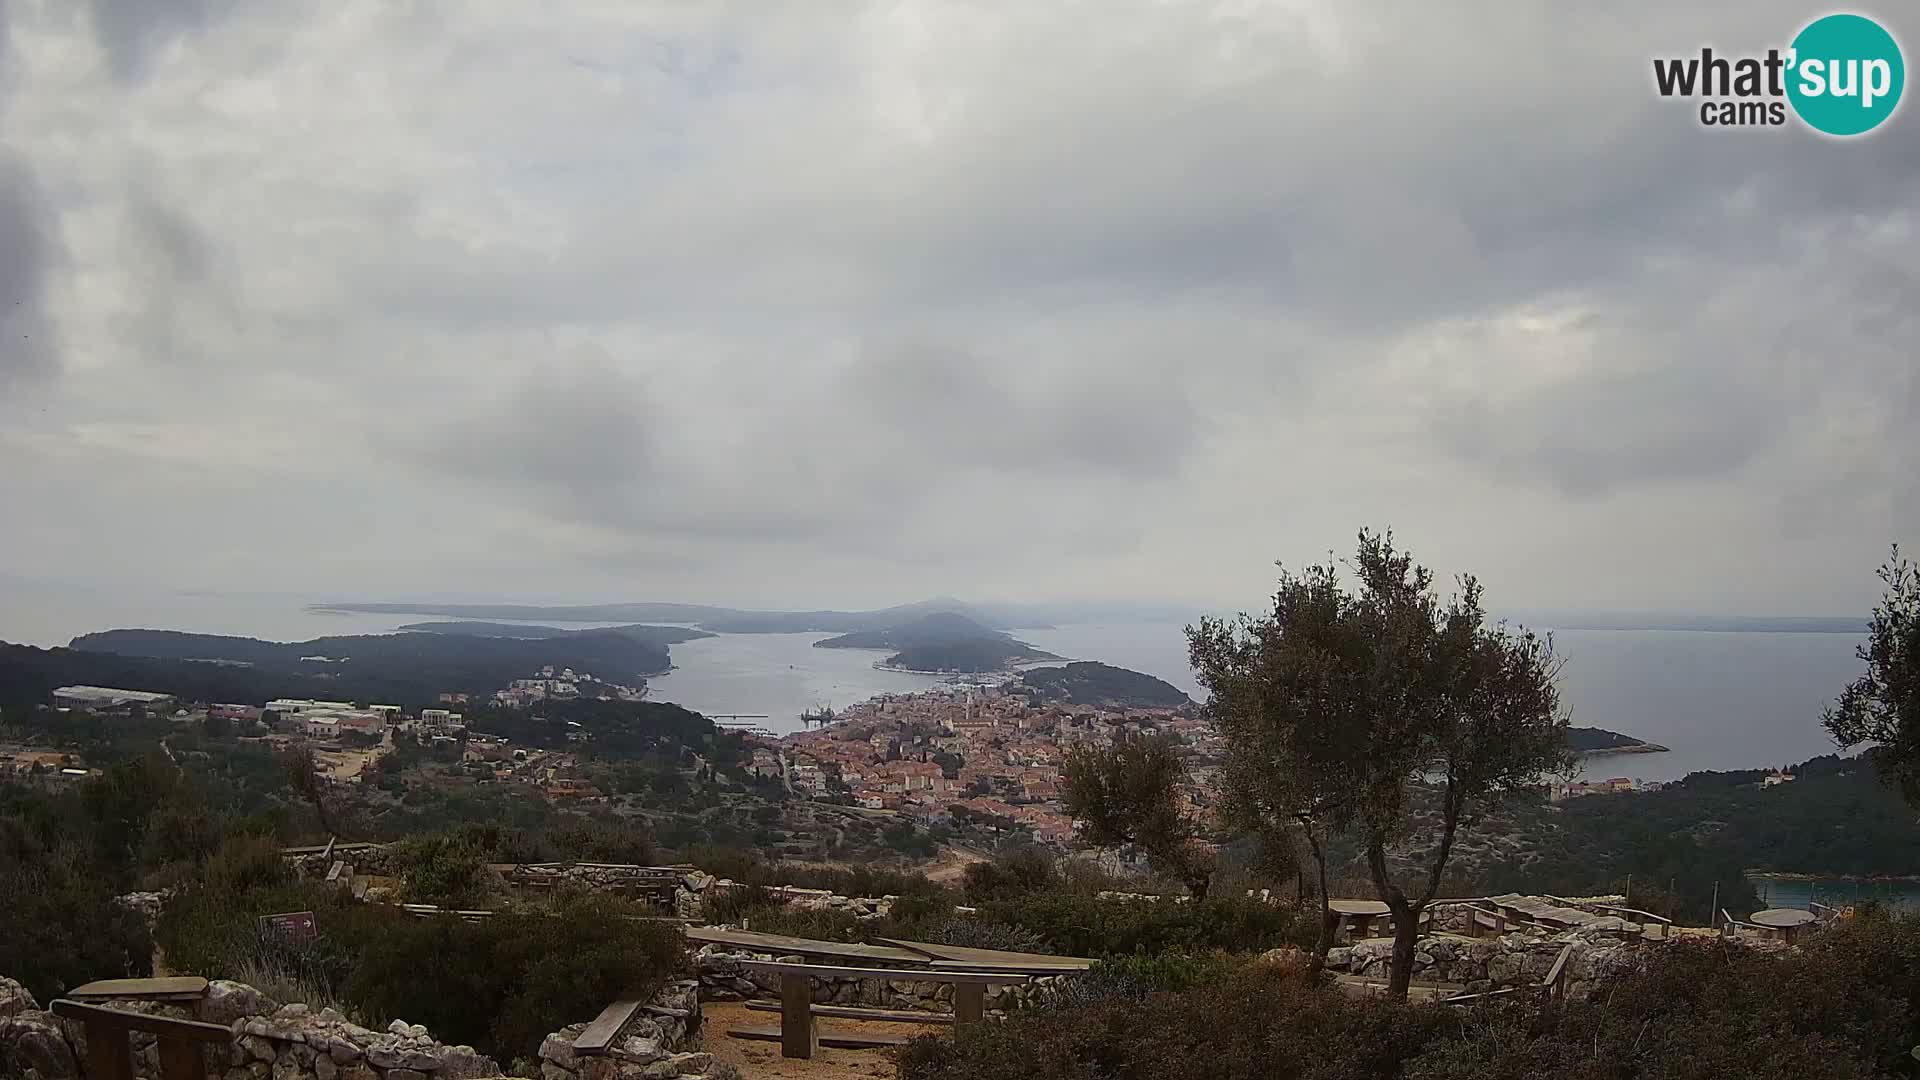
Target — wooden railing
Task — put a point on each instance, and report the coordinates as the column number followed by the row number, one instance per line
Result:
column 182, row 1043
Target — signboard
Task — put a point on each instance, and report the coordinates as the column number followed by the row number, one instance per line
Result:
column 293, row 927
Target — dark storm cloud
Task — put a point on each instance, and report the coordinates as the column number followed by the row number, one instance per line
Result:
column 26, row 340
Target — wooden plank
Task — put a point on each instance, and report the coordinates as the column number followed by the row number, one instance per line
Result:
column 181, row 1059
column 958, row 978
column 830, row 1039
column 969, row 1003
column 1035, row 970
column 853, row 1012
column 784, row 944
column 798, row 1033
column 989, row 958
column 109, row 1055
column 1555, row 981
column 168, row 989
column 605, row 1028
column 125, row 1021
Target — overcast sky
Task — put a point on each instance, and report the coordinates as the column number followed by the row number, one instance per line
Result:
column 823, row 303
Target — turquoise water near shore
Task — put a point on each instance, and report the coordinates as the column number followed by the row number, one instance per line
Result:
column 1775, row 892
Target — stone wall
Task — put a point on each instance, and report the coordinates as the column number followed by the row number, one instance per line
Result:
column 660, row 1042
column 271, row 1042
column 1492, row 963
column 294, row 1042
column 724, row 976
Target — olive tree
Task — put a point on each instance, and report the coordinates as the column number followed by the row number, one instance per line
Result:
column 1882, row 706
column 1350, row 709
column 1128, row 795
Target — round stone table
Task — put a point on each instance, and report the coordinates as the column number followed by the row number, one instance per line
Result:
column 1784, row 919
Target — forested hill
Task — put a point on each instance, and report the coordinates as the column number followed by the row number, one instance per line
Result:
column 402, row 669
column 1085, row 682
column 943, row 641
column 607, row 654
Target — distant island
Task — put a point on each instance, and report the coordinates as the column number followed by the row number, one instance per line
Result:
column 1085, row 682
column 403, row 668
column 941, row 643
column 720, row 620
column 1593, row 740
column 659, row 635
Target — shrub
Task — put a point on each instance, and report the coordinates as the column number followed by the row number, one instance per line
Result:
column 445, row 869
column 1251, row 1026
column 1081, row 925
column 502, row 984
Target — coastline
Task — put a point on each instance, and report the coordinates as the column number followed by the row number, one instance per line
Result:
column 1636, row 748
column 1864, row 879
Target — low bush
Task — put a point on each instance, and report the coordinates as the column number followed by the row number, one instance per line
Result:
column 1838, row 1009
column 1246, row 1027
column 1080, row 925
column 499, row 985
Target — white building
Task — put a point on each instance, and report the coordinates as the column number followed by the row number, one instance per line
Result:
column 107, row 697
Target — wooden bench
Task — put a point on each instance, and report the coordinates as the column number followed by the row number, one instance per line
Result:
column 1479, row 918
column 182, row 1043
column 854, row 1012
column 1664, row 924
column 177, row 988
column 604, row 1031
column 798, row 1032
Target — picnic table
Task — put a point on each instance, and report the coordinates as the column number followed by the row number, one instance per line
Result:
column 798, row 1034
column 1358, row 915
column 1785, row 920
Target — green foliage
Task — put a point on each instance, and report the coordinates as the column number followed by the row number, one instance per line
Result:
column 1842, row 1007
column 444, row 869
column 1135, row 977
column 1019, row 872
column 1079, row 925
column 1337, row 704
column 1882, row 706
column 59, row 923
column 502, row 984
column 1252, row 1026
column 1128, row 795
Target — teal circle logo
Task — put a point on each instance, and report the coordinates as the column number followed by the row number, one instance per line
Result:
column 1845, row 74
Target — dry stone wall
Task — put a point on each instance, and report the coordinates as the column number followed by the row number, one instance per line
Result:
column 660, row 1042
column 724, row 976
column 294, row 1042
column 1492, row 963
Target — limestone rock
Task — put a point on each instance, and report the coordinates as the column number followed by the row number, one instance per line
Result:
column 228, row 1001
column 324, row 1068
column 358, row 1071
column 405, row 1074
column 34, row 1041
column 258, row 1048
column 14, row 999
column 692, row 1064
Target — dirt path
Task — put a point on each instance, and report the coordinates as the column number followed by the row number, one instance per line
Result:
column 952, row 864
column 762, row 1060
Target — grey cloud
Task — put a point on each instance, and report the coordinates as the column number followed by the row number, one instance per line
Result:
column 944, row 292
column 1591, row 435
